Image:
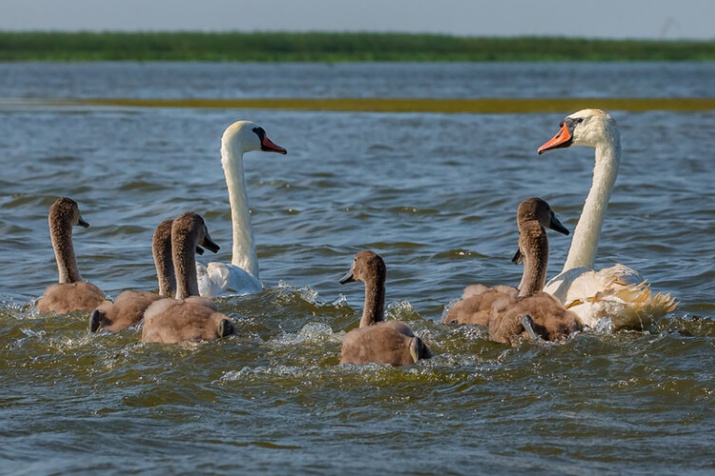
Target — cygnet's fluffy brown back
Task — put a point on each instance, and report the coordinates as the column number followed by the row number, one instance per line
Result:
column 390, row 342
column 126, row 311
column 551, row 320
column 476, row 304
column 184, row 321
column 69, row 297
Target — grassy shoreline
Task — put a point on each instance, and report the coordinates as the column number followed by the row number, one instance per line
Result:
column 334, row 47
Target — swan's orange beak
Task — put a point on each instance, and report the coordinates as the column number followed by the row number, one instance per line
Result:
column 268, row 145
column 561, row 139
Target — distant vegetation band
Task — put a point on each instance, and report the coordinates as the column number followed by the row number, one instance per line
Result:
column 192, row 46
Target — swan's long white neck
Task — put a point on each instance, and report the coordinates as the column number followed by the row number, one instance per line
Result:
column 588, row 231
column 244, row 250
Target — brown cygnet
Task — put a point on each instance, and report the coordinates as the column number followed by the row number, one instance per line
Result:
column 377, row 340
column 533, row 215
column 532, row 313
column 128, row 309
column 72, row 293
column 188, row 317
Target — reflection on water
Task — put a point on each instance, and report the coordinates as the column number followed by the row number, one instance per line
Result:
column 165, row 80
column 435, row 195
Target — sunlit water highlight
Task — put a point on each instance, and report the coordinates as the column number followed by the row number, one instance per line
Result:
column 434, row 194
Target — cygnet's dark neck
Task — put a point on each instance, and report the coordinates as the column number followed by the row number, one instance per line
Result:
column 374, row 307
column 61, row 236
column 163, row 260
column 183, row 243
column 534, row 246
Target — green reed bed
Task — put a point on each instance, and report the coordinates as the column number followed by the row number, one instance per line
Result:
column 334, row 47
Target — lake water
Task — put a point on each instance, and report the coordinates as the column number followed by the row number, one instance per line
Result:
column 434, row 194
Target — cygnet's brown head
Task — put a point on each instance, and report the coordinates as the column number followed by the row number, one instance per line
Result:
column 367, row 266
column 162, row 234
column 188, row 231
column 536, row 209
column 66, row 210
column 191, row 223
column 161, row 240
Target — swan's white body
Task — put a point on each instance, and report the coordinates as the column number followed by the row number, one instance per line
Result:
column 619, row 292
column 216, row 279
column 241, row 276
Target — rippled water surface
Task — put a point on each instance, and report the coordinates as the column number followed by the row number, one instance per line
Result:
column 434, row 194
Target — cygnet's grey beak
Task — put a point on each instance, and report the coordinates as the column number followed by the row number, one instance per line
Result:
column 348, row 278
column 556, row 225
column 528, row 324
column 199, row 250
column 82, row 223
column 226, row 328
column 518, row 257
column 209, row 244
column 419, row 350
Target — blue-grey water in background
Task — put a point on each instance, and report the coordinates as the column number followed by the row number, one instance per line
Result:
column 434, row 194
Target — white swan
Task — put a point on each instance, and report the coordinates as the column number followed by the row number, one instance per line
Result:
column 618, row 292
column 241, row 276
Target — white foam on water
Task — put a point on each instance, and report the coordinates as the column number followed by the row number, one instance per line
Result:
column 340, row 301
column 604, row 326
column 313, row 332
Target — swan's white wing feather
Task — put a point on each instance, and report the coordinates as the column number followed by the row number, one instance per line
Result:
column 619, row 274
column 619, row 293
column 219, row 279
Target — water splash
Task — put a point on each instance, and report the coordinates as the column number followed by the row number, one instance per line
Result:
column 307, row 294
column 340, row 301
column 604, row 326
column 313, row 332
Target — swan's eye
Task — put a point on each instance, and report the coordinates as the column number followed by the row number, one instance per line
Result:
column 579, row 120
column 259, row 132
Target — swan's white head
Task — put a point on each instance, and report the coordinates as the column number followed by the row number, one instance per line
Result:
column 587, row 127
column 245, row 136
